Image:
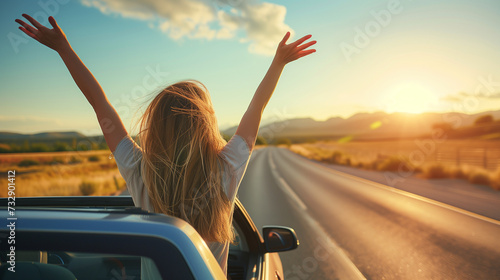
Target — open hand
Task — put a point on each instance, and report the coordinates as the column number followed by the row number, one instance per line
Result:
column 52, row 38
column 293, row 51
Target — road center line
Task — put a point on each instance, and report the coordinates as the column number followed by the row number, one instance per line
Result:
column 284, row 185
column 352, row 272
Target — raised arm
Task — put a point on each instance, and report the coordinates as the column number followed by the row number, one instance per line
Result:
column 111, row 124
column 249, row 124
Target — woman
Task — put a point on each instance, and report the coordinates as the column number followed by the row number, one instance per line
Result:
column 183, row 167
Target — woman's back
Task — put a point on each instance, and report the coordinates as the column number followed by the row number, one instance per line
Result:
column 235, row 156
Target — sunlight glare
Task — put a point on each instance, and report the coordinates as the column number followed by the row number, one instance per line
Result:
column 410, row 98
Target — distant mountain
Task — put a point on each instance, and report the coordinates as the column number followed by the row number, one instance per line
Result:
column 365, row 126
column 11, row 136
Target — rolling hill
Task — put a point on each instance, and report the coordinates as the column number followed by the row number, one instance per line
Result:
column 366, row 126
column 11, row 136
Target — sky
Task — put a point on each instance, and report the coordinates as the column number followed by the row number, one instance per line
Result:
column 393, row 56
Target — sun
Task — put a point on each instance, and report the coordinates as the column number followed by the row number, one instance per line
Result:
column 409, row 98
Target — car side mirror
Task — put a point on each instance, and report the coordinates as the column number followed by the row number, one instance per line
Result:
column 279, row 239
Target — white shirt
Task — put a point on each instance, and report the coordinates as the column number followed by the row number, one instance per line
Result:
column 236, row 155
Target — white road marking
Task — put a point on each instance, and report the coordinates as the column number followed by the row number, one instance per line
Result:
column 352, row 272
column 283, row 184
column 290, row 192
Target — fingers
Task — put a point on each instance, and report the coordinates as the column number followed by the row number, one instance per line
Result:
column 33, row 21
column 301, row 40
column 304, row 53
column 26, row 26
column 305, row 46
column 28, row 33
column 287, row 35
column 54, row 24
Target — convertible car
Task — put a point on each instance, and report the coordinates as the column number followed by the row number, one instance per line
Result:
column 108, row 238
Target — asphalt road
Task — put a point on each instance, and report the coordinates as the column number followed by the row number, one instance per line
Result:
column 351, row 228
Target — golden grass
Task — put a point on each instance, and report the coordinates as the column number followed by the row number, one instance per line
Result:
column 62, row 174
column 395, row 157
column 47, row 157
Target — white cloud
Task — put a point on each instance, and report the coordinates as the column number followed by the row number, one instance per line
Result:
column 261, row 24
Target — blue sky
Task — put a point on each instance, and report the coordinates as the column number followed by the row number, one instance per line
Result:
column 410, row 56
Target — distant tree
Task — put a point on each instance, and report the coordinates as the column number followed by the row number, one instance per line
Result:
column 26, row 146
column 486, row 119
column 61, row 146
column 39, row 147
column 95, row 146
column 103, row 145
column 14, row 148
column 73, row 144
column 283, row 141
column 260, row 141
column 83, row 147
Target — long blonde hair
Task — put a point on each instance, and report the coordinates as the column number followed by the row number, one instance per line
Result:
column 182, row 169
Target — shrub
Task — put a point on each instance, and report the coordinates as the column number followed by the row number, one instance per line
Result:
column 418, row 169
column 458, row 173
column 392, row 164
column 88, row 188
column 479, row 176
column 75, row 160
column 335, row 157
column 300, row 150
column 94, row 158
column 56, row 160
column 260, row 141
column 28, row 162
column 435, row 171
column 83, row 147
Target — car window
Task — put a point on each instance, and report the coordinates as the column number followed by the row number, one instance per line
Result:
column 70, row 265
column 105, row 253
column 240, row 243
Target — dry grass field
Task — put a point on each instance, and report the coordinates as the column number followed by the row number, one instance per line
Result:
column 474, row 160
column 62, row 173
column 94, row 173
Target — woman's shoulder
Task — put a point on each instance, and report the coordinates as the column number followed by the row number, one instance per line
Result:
column 127, row 147
column 236, row 152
